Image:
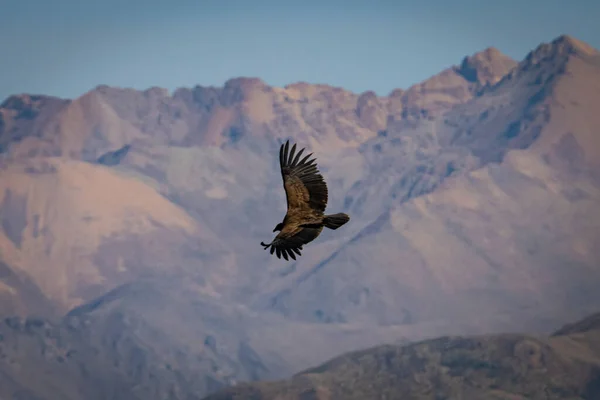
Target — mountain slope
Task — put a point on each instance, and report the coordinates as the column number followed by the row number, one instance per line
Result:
column 161, row 337
column 19, row 295
column 465, row 219
column 142, row 340
column 75, row 230
column 508, row 366
column 514, row 238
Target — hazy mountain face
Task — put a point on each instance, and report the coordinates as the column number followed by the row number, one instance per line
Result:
column 473, row 198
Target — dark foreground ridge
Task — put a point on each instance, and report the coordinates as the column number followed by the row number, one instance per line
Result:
column 507, row 366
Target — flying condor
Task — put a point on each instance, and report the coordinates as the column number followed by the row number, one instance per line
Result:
column 306, row 195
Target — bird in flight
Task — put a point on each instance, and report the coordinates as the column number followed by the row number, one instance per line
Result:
column 306, row 195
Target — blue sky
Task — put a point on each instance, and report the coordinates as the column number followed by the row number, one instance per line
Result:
column 67, row 47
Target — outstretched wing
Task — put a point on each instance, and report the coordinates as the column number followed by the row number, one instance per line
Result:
column 304, row 185
column 287, row 243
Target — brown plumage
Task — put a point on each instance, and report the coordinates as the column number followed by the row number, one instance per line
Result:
column 306, row 195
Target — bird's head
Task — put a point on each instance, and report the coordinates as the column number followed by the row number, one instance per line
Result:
column 278, row 227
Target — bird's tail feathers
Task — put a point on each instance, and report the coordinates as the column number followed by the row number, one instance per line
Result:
column 334, row 221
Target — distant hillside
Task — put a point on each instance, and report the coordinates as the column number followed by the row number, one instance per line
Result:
column 160, row 338
column 74, row 230
column 508, row 366
column 128, row 344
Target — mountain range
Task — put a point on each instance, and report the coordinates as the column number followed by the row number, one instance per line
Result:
column 130, row 223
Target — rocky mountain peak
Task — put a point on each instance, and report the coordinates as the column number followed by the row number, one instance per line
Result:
column 27, row 103
column 558, row 52
column 570, row 44
column 244, row 82
column 486, row 67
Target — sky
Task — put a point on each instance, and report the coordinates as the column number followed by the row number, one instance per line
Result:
column 67, row 47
